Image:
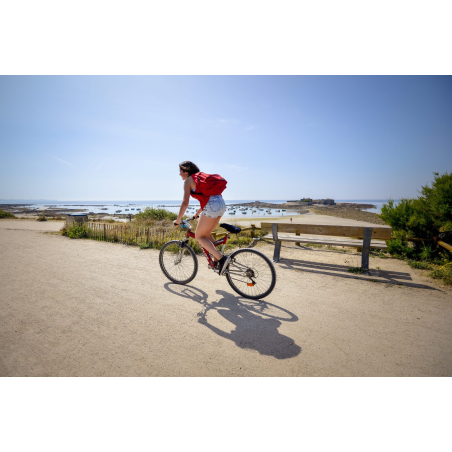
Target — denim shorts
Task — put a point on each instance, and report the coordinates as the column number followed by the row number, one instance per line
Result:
column 216, row 207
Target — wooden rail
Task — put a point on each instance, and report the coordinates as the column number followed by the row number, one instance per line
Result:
column 445, row 245
column 217, row 235
column 378, row 232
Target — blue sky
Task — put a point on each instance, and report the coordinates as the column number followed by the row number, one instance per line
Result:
column 271, row 137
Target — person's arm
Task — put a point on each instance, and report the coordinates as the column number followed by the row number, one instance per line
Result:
column 198, row 213
column 185, row 202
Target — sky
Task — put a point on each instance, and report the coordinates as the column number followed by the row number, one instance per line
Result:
column 271, row 137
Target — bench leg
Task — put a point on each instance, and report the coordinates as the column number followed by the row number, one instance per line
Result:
column 297, row 243
column 366, row 248
column 277, row 251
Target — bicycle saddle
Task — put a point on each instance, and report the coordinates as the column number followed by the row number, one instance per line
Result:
column 230, row 228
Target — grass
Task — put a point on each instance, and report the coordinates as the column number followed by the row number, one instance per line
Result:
column 4, row 214
column 356, row 270
column 443, row 272
column 420, row 265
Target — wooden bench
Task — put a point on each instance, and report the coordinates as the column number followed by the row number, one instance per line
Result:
column 350, row 236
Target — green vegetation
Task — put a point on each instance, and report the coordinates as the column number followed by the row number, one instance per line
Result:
column 76, row 231
column 425, row 217
column 356, row 270
column 428, row 217
column 42, row 217
column 4, row 214
column 150, row 215
column 443, row 272
column 150, row 229
column 422, row 265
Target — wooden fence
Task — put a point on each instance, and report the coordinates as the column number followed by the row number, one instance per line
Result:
column 132, row 235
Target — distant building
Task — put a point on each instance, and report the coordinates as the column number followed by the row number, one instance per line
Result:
column 297, row 203
column 326, row 202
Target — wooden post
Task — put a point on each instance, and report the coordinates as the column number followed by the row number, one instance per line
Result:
column 252, row 230
column 277, row 252
column 366, row 247
column 297, row 243
column 105, row 232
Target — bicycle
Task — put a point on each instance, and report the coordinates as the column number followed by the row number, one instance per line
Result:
column 250, row 273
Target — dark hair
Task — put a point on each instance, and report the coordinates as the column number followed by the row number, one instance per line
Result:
column 189, row 167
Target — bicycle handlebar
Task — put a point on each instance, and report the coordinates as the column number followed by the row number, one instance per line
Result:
column 185, row 223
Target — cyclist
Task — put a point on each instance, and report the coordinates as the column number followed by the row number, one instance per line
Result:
column 209, row 214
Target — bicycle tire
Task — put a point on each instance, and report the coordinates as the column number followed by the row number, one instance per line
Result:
column 173, row 270
column 247, row 267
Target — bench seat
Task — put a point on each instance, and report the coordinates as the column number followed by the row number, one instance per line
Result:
column 363, row 237
column 334, row 241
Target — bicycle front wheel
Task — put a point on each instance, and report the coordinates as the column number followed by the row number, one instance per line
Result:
column 178, row 263
column 251, row 274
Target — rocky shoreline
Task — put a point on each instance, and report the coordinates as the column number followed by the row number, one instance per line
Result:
column 344, row 211
column 301, row 206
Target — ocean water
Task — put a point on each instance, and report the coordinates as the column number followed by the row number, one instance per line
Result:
column 131, row 207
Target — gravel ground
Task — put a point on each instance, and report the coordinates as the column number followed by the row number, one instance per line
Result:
column 87, row 308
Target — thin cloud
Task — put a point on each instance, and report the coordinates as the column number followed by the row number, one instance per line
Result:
column 89, row 166
column 97, row 169
column 250, row 128
column 63, row 161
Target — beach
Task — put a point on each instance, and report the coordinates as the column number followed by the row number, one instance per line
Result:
column 87, row 308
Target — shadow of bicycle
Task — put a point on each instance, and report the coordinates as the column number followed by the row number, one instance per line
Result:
column 255, row 323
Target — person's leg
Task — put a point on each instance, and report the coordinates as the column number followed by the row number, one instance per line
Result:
column 204, row 235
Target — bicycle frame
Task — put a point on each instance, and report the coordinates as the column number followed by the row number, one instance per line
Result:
column 206, row 253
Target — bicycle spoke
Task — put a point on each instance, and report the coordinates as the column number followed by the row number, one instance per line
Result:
column 251, row 274
column 178, row 264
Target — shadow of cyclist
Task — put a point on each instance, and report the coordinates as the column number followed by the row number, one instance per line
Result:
column 252, row 331
column 256, row 322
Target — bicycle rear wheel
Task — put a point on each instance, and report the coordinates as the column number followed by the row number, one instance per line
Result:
column 251, row 274
column 178, row 263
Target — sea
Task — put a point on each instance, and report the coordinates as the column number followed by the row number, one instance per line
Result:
column 133, row 207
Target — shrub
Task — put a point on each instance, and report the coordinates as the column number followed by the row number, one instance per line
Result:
column 400, row 249
column 4, row 214
column 76, row 231
column 426, row 217
column 150, row 215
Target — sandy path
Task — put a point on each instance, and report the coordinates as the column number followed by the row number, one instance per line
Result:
column 87, row 308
